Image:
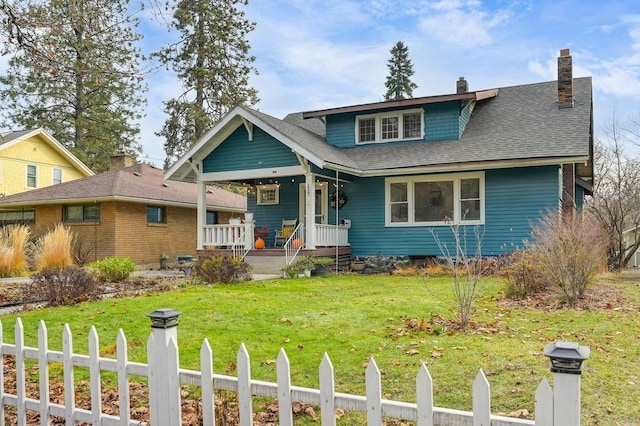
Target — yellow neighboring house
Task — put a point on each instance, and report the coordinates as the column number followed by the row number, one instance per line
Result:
column 34, row 159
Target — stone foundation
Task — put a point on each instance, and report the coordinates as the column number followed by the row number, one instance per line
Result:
column 379, row 264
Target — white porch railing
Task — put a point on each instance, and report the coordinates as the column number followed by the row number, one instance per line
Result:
column 294, row 244
column 331, row 235
column 237, row 236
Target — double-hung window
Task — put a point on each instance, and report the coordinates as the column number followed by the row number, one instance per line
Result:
column 56, row 177
column 390, row 126
column 32, row 176
column 435, row 200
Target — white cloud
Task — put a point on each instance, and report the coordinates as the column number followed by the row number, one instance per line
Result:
column 462, row 23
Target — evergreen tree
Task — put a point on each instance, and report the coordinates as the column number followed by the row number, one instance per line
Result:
column 398, row 83
column 75, row 72
column 213, row 63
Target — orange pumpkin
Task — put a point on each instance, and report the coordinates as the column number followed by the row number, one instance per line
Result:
column 297, row 243
column 259, row 243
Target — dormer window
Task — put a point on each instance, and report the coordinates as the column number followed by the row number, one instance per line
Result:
column 389, row 126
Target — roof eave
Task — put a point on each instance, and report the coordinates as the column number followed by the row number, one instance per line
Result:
column 402, row 103
column 471, row 166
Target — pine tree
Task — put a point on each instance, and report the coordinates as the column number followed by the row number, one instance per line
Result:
column 75, row 72
column 213, row 63
column 398, row 83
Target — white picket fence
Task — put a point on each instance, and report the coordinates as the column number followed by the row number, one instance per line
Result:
column 165, row 378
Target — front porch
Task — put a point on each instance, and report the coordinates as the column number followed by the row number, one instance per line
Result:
column 238, row 240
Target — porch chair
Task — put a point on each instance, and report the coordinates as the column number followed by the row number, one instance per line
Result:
column 282, row 235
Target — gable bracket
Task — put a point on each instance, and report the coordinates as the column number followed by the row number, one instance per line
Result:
column 303, row 162
column 249, row 126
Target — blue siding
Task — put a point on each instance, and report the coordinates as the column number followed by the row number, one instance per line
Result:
column 514, row 199
column 272, row 215
column 442, row 122
column 465, row 116
column 238, row 153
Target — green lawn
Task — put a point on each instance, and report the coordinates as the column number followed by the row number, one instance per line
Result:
column 355, row 317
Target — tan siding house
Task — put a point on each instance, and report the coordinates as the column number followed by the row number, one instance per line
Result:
column 130, row 212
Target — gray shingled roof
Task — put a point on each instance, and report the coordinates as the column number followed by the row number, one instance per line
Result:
column 138, row 183
column 9, row 136
column 520, row 125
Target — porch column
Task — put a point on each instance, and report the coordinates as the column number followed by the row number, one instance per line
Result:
column 310, row 212
column 201, row 215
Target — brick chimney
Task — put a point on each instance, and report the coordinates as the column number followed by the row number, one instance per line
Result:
column 120, row 159
column 565, row 79
column 462, row 86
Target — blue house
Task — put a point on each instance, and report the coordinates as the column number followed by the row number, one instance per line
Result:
column 382, row 178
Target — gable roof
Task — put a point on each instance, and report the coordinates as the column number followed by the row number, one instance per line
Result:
column 8, row 139
column 140, row 183
column 510, row 127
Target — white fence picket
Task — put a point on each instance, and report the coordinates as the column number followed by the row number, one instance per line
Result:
column 173, row 382
column 374, row 394
column 244, row 387
column 122, row 358
column 94, row 377
column 43, row 370
column 206, row 384
column 20, row 373
column 481, row 401
column 544, row 404
column 165, row 378
column 424, row 397
column 154, row 370
column 69, row 382
column 284, row 389
column 327, row 392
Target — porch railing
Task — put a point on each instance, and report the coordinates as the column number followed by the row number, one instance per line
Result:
column 332, row 235
column 294, row 244
column 239, row 237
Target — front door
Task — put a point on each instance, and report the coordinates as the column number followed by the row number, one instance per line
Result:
column 322, row 202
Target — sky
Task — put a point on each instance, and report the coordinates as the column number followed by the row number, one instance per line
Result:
column 315, row 54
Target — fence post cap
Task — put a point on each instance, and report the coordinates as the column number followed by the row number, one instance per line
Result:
column 566, row 357
column 164, row 318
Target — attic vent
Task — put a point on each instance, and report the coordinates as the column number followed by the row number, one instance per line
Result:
column 136, row 173
column 165, row 185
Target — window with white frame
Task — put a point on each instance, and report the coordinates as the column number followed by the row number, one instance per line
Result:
column 32, row 176
column 435, row 200
column 390, row 126
column 268, row 194
column 57, row 176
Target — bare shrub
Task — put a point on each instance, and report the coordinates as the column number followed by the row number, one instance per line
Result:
column 61, row 286
column 524, row 275
column 221, row 269
column 53, row 250
column 14, row 249
column 82, row 249
column 572, row 249
column 466, row 264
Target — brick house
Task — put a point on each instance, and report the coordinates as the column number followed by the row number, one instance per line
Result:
column 130, row 211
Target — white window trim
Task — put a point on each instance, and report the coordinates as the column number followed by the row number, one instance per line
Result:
column 457, row 214
column 270, row 187
column 53, row 175
column 26, row 176
column 378, row 117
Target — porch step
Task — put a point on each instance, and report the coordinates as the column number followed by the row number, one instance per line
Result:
column 266, row 264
